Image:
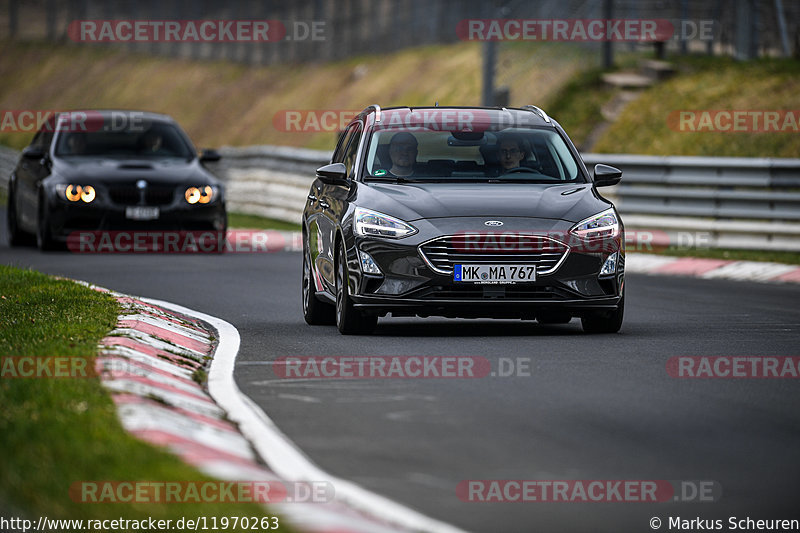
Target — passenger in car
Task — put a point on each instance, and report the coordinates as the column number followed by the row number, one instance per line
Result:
column 403, row 153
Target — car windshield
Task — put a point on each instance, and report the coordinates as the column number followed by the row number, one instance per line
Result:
column 154, row 140
column 512, row 154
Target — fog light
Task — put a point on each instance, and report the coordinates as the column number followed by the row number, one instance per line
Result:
column 610, row 266
column 368, row 264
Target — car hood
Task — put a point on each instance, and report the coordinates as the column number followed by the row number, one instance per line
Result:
column 106, row 170
column 571, row 202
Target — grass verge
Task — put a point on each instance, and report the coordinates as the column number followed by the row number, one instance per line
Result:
column 55, row 432
column 48, row 76
column 244, row 221
column 709, row 84
column 789, row 258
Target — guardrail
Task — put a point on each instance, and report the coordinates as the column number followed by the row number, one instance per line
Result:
column 707, row 202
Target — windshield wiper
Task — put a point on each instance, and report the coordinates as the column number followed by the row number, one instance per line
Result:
column 390, row 179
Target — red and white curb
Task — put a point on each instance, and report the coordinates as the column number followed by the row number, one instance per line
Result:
column 712, row 268
column 149, row 363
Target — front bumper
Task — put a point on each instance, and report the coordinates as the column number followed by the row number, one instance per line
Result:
column 70, row 219
column 409, row 284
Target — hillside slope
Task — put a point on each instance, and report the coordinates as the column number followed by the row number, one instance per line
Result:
column 230, row 104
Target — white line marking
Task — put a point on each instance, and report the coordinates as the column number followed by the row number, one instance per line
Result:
column 277, row 450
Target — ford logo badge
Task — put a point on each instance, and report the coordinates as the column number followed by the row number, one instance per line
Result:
column 493, row 223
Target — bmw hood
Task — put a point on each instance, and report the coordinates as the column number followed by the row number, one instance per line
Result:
column 106, row 170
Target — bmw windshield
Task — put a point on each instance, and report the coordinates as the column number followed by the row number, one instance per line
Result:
column 154, row 140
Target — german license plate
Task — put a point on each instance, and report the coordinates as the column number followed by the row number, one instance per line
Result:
column 494, row 273
column 141, row 213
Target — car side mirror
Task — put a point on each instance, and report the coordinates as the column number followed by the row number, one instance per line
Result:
column 33, row 152
column 605, row 175
column 209, row 155
column 333, row 174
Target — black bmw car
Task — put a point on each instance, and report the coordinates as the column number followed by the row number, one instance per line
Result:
column 105, row 171
column 461, row 212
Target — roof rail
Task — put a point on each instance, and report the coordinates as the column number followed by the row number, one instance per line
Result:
column 537, row 110
column 377, row 109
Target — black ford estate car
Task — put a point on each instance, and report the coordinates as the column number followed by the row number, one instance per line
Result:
column 111, row 170
column 461, row 212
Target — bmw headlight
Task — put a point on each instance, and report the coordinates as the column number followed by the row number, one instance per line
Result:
column 200, row 195
column 76, row 193
column 603, row 225
column 373, row 224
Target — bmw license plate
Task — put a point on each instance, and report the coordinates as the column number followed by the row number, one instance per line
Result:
column 505, row 274
column 141, row 213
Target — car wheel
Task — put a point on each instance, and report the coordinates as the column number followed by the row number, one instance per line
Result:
column 316, row 313
column 44, row 238
column 16, row 237
column 349, row 320
column 605, row 322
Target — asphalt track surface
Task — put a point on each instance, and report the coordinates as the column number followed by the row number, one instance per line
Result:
column 595, row 407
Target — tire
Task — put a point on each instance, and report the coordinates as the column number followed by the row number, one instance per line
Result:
column 44, row 237
column 349, row 320
column 605, row 322
column 16, row 237
column 315, row 313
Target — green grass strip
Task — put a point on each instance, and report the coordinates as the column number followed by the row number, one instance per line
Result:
column 55, row 432
column 241, row 220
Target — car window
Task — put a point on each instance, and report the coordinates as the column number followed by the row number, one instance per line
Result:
column 44, row 136
column 524, row 153
column 352, row 150
column 344, row 139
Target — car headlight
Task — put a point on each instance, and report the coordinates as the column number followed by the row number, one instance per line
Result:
column 603, row 225
column 76, row 193
column 200, row 195
column 371, row 223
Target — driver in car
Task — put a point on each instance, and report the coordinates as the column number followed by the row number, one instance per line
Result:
column 511, row 151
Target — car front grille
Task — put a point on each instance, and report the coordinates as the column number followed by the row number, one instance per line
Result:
column 154, row 194
column 494, row 249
